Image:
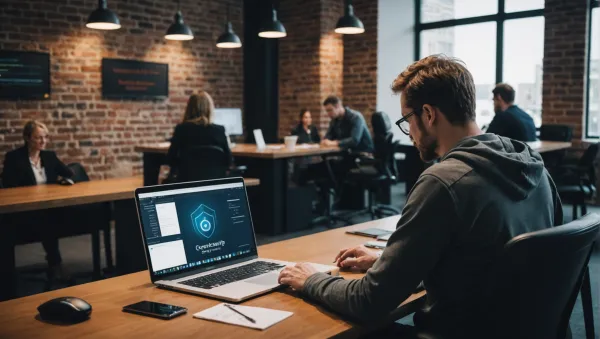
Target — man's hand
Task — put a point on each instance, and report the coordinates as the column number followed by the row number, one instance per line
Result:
column 359, row 257
column 329, row 143
column 295, row 276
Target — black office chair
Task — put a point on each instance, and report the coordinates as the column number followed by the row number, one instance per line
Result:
column 552, row 132
column 380, row 172
column 535, row 282
column 204, row 163
column 577, row 183
column 101, row 222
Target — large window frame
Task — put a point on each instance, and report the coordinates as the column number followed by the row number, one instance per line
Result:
column 500, row 18
column 593, row 4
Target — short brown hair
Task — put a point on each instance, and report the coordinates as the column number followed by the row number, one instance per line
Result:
column 30, row 126
column 439, row 81
column 332, row 100
column 505, row 91
column 200, row 109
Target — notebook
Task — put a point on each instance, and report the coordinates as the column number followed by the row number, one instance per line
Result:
column 264, row 317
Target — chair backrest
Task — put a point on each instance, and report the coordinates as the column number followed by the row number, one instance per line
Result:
column 534, row 284
column 383, row 140
column 202, row 163
column 79, row 174
column 556, row 132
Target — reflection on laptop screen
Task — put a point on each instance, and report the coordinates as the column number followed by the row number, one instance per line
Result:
column 195, row 226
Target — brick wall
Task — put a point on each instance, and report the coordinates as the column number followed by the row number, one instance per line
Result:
column 360, row 61
column 564, row 63
column 101, row 134
column 316, row 62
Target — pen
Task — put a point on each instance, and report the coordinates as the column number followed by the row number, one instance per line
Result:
column 240, row 313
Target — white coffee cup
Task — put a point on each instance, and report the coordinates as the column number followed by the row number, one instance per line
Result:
column 290, row 142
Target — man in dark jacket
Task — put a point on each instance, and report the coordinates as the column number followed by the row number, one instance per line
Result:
column 510, row 121
column 347, row 128
column 484, row 191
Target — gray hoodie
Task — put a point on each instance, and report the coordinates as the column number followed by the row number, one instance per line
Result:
column 458, row 216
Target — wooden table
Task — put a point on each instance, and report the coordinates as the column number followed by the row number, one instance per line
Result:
column 542, row 146
column 270, row 204
column 107, row 297
column 119, row 191
column 20, row 199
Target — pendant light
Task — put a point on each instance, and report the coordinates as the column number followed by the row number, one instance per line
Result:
column 273, row 28
column 103, row 18
column 229, row 39
column 349, row 23
column 178, row 30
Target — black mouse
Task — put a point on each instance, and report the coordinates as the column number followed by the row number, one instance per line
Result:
column 65, row 310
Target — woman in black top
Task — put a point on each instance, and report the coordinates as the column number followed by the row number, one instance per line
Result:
column 306, row 132
column 33, row 165
column 197, row 129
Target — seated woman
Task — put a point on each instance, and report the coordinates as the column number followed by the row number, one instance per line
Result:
column 197, row 129
column 307, row 132
column 32, row 165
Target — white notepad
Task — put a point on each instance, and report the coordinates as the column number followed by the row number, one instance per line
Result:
column 264, row 317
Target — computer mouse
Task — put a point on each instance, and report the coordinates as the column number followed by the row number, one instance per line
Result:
column 65, row 310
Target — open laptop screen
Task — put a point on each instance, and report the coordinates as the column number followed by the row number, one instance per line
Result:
column 196, row 225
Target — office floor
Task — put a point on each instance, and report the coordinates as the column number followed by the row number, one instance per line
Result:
column 77, row 255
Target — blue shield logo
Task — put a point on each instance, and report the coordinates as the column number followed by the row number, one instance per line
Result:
column 204, row 220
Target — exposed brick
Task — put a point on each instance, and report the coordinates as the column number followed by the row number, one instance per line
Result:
column 76, row 114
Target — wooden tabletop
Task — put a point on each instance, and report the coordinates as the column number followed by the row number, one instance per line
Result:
column 107, row 297
column 274, row 151
column 37, row 197
column 542, row 146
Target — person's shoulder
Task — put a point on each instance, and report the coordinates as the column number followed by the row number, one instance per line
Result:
column 217, row 127
column 48, row 154
column 449, row 171
column 15, row 153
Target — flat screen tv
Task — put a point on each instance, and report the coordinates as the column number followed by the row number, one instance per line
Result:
column 131, row 79
column 24, row 75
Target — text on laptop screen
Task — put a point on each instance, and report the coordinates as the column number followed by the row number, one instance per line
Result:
column 196, row 226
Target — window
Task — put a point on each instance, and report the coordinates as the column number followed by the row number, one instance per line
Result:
column 593, row 80
column 490, row 36
column 523, row 54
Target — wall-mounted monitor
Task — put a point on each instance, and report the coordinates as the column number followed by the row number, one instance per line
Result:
column 24, row 75
column 131, row 79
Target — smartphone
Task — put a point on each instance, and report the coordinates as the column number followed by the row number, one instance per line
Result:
column 380, row 245
column 157, row 310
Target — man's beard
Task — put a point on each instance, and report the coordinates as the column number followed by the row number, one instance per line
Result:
column 427, row 145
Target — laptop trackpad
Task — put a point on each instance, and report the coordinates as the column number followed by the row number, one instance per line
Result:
column 269, row 279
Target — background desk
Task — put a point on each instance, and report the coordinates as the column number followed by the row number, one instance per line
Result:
column 130, row 255
column 270, row 204
column 107, row 297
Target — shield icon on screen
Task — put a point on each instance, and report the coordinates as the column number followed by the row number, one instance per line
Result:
column 204, row 220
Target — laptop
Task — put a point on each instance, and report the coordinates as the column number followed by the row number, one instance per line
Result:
column 199, row 238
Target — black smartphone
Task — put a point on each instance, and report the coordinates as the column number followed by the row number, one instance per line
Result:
column 157, row 310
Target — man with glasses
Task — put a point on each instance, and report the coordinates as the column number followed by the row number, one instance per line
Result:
column 461, row 212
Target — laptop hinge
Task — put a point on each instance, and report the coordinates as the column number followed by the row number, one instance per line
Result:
column 208, row 268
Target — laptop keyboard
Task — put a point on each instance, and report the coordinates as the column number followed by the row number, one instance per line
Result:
column 233, row 274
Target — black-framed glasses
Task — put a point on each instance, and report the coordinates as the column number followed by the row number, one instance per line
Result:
column 403, row 123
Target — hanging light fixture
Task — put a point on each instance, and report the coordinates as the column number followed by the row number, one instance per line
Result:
column 229, row 39
column 273, row 28
column 349, row 23
column 178, row 30
column 103, row 18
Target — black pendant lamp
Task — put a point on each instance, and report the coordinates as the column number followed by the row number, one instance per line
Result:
column 229, row 39
column 178, row 30
column 103, row 18
column 273, row 28
column 349, row 23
